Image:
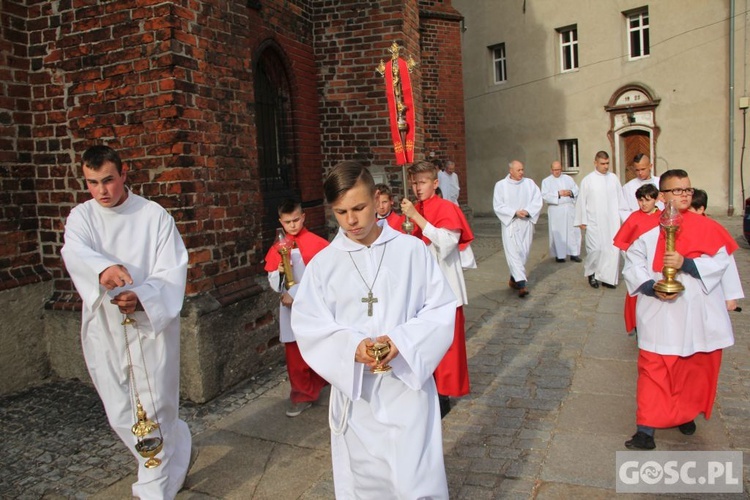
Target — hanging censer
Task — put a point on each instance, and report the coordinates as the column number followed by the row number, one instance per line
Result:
column 147, row 447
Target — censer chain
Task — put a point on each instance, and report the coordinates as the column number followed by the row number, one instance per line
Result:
column 133, row 385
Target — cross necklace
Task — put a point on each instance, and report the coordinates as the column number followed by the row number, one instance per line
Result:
column 370, row 299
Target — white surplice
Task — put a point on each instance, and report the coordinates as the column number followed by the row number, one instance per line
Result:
column 730, row 282
column 697, row 320
column 598, row 207
column 630, row 202
column 277, row 285
column 142, row 236
column 449, row 186
column 386, row 439
column 564, row 237
column 509, row 197
column 444, row 247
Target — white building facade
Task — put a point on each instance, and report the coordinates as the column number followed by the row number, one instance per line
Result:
column 560, row 80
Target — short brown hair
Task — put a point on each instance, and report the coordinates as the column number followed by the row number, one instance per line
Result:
column 601, row 154
column 344, row 176
column 424, row 167
column 96, row 156
column 383, row 189
column 289, row 206
column 675, row 172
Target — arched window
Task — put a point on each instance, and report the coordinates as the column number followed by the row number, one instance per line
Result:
column 274, row 131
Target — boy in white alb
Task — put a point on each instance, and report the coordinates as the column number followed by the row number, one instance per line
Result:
column 125, row 256
column 375, row 284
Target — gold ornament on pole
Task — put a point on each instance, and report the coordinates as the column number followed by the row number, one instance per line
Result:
column 147, row 447
column 670, row 221
column 284, row 246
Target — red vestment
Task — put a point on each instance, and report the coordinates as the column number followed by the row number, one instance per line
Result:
column 395, row 220
column 452, row 374
column 673, row 390
column 634, row 226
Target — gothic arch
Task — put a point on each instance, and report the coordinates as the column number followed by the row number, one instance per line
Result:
column 274, row 130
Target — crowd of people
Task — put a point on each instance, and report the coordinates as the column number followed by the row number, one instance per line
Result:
column 377, row 313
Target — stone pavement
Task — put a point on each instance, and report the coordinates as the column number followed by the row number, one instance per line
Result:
column 553, row 385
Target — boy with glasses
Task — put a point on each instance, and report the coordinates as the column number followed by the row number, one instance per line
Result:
column 679, row 349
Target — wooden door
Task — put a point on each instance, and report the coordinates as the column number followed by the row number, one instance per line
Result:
column 633, row 143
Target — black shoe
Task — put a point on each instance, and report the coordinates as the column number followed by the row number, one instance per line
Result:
column 559, row 260
column 607, row 285
column 640, row 441
column 575, row 258
column 593, row 282
column 688, row 428
column 445, row 405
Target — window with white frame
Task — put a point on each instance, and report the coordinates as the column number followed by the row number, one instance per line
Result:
column 569, row 154
column 498, row 63
column 638, row 33
column 568, row 48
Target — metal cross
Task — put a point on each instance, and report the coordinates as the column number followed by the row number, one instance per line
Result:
column 370, row 300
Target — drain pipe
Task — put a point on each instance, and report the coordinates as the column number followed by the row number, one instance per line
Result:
column 730, row 208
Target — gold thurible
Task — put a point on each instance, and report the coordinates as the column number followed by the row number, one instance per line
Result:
column 147, row 447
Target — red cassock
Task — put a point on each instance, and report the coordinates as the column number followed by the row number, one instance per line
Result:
column 634, row 226
column 452, row 374
column 395, row 221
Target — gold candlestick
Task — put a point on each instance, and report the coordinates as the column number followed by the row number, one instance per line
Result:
column 284, row 248
column 670, row 221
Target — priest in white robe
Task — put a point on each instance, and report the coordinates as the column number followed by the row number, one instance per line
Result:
column 125, row 256
column 448, row 182
column 560, row 192
column 597, row 211
column 374, row 283
column 643, row 175
column 517, row 202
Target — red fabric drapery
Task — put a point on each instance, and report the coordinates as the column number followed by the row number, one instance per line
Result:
column 404, row 149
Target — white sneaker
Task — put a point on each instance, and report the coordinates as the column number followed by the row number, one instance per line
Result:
column 297, row 408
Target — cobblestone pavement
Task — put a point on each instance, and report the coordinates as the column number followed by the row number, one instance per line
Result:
column 553, row 385
column 57, row 442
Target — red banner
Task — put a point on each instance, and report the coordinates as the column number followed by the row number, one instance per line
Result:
column 403, row 147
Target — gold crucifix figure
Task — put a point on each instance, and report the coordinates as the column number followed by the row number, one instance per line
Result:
column 369, row 300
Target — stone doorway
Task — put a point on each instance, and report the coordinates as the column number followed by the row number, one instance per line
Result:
column 633, row 128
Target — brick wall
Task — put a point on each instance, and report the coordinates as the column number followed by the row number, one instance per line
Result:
column 351, row 39
column 20, row 245
column 170, row 86
column 442, row 81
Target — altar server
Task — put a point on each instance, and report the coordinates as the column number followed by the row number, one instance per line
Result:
column 125, row 256
column 371, row 284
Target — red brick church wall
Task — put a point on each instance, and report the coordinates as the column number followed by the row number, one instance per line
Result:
column 170, row 86
column 351, row 39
